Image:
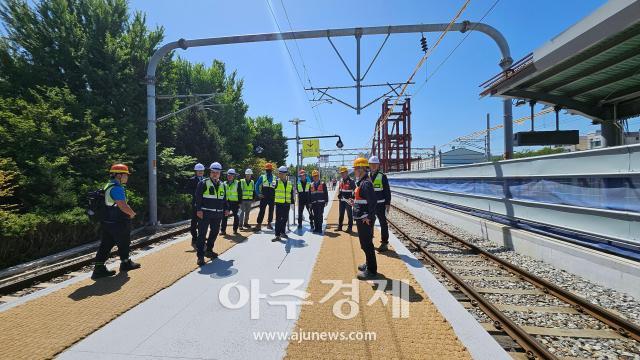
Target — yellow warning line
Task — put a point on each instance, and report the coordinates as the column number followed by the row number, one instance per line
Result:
column 424, row 334
column 44, row 327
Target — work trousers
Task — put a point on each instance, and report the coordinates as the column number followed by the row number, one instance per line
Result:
column 365, row 235
column 302, row 205
column 384, row 226
column 282, row 215
column 114, row 234
column 264, row 202
column 210, row 220
column 194, row 225
column 318, row 213
column 234, row 207
column 245, row 209
column 345, row 207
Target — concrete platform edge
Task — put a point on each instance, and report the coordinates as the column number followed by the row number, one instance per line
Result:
column 477, row 341
column 604, row 269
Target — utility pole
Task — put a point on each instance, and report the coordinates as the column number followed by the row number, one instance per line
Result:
column 488, row 144
column 434, row 156
column 296, row 122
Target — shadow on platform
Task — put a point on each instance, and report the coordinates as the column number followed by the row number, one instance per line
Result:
column 219, row 269
column 389, row 288
column 100, row 287
column 413, row 262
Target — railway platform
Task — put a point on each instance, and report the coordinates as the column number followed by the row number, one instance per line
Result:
column 292, row 299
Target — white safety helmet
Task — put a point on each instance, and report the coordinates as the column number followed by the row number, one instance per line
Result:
column 283, row 169
column 215, row 166
column 231, row 172
column 198, row 167
column 374, row 160
column 248, row 172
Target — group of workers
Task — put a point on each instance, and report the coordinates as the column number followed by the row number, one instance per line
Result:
column 214, row 201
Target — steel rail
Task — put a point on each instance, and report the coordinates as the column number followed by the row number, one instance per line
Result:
column 622, row 326
column 501, row 322
column 26, row 279
column 64, row 266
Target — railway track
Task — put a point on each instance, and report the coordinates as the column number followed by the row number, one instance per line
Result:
column 75, row 264
column 463, row 265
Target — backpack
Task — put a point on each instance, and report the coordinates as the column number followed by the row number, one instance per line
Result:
column 96, row 207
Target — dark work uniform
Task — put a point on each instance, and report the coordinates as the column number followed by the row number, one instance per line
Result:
column 264, row 186
column 345, row 192
column 283, row 199
column 234, row 204
column 364, row 207
column 319, row 197
column 303, row 201
column 383, row 196
column 115, row 227
column 211, row 199
column 192, row 184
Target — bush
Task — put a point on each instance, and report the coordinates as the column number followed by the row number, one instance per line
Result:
column 174, row 208
column 25, row 237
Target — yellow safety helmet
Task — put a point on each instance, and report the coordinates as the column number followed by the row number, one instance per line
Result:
column 343, row 169
column 315, row 173
column 360, row 162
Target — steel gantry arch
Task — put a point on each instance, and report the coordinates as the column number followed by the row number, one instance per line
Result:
column 358, row 32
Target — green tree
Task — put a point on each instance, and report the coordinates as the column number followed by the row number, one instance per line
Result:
column 270, row 138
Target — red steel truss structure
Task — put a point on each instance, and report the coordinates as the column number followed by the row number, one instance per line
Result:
column 392, row 140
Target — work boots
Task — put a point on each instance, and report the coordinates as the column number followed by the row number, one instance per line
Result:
column 127, row 265
column 101, row 271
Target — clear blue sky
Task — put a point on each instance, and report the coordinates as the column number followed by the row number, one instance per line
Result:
column 447, row 107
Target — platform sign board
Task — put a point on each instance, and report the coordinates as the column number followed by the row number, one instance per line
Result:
column 310, row 148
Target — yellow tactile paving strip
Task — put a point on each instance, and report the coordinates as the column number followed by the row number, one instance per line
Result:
column 425, row 334
column 46, row 326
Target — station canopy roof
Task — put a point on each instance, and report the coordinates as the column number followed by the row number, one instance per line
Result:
column 592, row 68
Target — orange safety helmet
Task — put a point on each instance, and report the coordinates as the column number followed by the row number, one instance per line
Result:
column 119, row 169
column 268, row 166
column 315, row 173
column 360, row 162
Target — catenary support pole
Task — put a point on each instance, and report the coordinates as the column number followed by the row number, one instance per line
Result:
column 155, row 59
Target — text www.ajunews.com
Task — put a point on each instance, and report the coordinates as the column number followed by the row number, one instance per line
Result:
column 300, row 336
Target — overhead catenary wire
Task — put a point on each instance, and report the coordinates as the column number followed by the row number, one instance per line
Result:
column 484, row 132
column 385, row 117
column 293, row 63
column 466, row 35
column 318, row 116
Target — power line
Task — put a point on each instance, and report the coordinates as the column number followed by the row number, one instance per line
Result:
column 385, row 117
column 295, row 41
column 456, row 47
column 293, row 63
column 317, row 117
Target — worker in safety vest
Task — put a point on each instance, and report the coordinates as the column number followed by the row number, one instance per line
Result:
column 364, row 207
column 319, row 198
column 211, row 206
column 116, row 225
column 247, row 188
column 283, row 200
column 346, row 186
column 265, row 192
column 192, row 184
column 383, row 196
column 233, row 199
column 304, row 186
